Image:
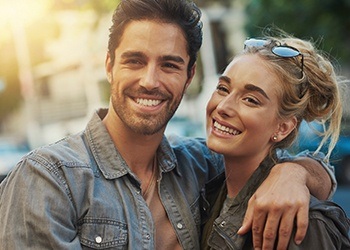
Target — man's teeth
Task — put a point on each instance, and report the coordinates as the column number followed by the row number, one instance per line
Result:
column 226, row 129
column 147, row 102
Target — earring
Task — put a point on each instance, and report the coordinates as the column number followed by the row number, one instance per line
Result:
column 275, row 138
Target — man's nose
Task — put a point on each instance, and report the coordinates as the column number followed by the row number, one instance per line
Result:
column 150, row 78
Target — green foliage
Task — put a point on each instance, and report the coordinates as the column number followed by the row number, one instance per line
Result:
column 325, row 21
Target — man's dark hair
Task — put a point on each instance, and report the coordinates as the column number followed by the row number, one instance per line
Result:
column 182, row 13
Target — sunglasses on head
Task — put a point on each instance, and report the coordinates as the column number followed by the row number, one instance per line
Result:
column 284, row 51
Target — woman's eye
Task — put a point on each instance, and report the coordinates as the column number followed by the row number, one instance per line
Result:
column 252, row 100
column 222, row 88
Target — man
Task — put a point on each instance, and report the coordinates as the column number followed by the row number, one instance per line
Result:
column 120, row 184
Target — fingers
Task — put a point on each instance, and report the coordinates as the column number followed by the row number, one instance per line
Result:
column 272, row 220
column 248, row 219
column 279, row 220
column 302, row 222
column 285, row 228
column 258, row 227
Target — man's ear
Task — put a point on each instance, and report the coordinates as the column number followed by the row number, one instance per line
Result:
column 286, row 127
column 190, row 77
column 108, row 67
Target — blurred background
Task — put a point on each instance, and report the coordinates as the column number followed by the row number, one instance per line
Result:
column 52, row 75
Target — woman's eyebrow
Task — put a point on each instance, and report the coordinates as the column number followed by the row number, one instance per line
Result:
column 252, row 87
column 225, row 79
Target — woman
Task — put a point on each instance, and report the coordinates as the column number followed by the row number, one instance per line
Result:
column 257, row 107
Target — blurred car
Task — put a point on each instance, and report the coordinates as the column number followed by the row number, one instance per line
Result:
column 11, row 151
column 308, row 139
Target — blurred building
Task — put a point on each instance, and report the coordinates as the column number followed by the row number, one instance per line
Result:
column 71, row 85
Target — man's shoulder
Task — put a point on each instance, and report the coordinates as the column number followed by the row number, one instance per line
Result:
column 190, row 143
column 192, row 146
column 195, row 149
column 330, row 214
column 69, row 150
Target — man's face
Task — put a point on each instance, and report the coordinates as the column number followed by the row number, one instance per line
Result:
column 149, row 75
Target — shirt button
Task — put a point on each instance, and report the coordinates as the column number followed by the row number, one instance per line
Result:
column 98, row 239
column 179, row 226
column 148, row 237
column 222, row 224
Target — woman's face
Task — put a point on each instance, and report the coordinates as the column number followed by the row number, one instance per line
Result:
column 242, row 112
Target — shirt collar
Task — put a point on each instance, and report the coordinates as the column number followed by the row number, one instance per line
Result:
column 109, row 160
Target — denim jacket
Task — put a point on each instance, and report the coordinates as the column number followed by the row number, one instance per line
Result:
column 79, row 193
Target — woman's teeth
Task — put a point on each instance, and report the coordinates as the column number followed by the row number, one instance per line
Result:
column 226, row 129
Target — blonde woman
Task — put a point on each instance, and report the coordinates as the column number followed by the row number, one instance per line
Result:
column 259, row 102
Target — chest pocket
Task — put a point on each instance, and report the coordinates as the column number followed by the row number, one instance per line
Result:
column 103, row 233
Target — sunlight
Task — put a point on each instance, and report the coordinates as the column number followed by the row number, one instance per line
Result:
column 20, row 11
column 23, row 10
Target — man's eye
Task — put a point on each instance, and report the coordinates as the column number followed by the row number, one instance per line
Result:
column 221, row 88
column 133, row 61
column 170, row 65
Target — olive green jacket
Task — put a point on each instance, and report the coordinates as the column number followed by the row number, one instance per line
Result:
column 328, row 224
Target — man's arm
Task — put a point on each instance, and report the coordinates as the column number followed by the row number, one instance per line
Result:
column 35, row 211
column 318, row 183
column 283, row 199
column 318, row 180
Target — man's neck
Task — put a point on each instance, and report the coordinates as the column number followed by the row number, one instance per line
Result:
column 136, row 149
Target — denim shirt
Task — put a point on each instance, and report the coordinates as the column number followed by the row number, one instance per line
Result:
column 79, row 193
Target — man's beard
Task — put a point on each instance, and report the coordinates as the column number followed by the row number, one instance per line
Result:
column 144, row 123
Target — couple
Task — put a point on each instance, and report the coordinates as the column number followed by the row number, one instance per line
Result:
column 121, row 184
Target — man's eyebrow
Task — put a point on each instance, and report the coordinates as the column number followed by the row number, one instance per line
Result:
column 252, row 87
column 177, row 59
column 128, row 54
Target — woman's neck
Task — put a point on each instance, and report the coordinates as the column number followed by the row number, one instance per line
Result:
column 238, row 171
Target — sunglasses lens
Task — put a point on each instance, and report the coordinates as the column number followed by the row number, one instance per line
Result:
column 279, row 50
column 285, row 51
column 254, row 43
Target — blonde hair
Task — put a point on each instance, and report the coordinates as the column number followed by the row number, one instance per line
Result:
column 310, row 92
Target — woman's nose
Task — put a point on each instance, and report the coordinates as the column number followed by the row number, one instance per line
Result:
column 227, row 106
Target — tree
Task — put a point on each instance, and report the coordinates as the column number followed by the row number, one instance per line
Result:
column 325, row 21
